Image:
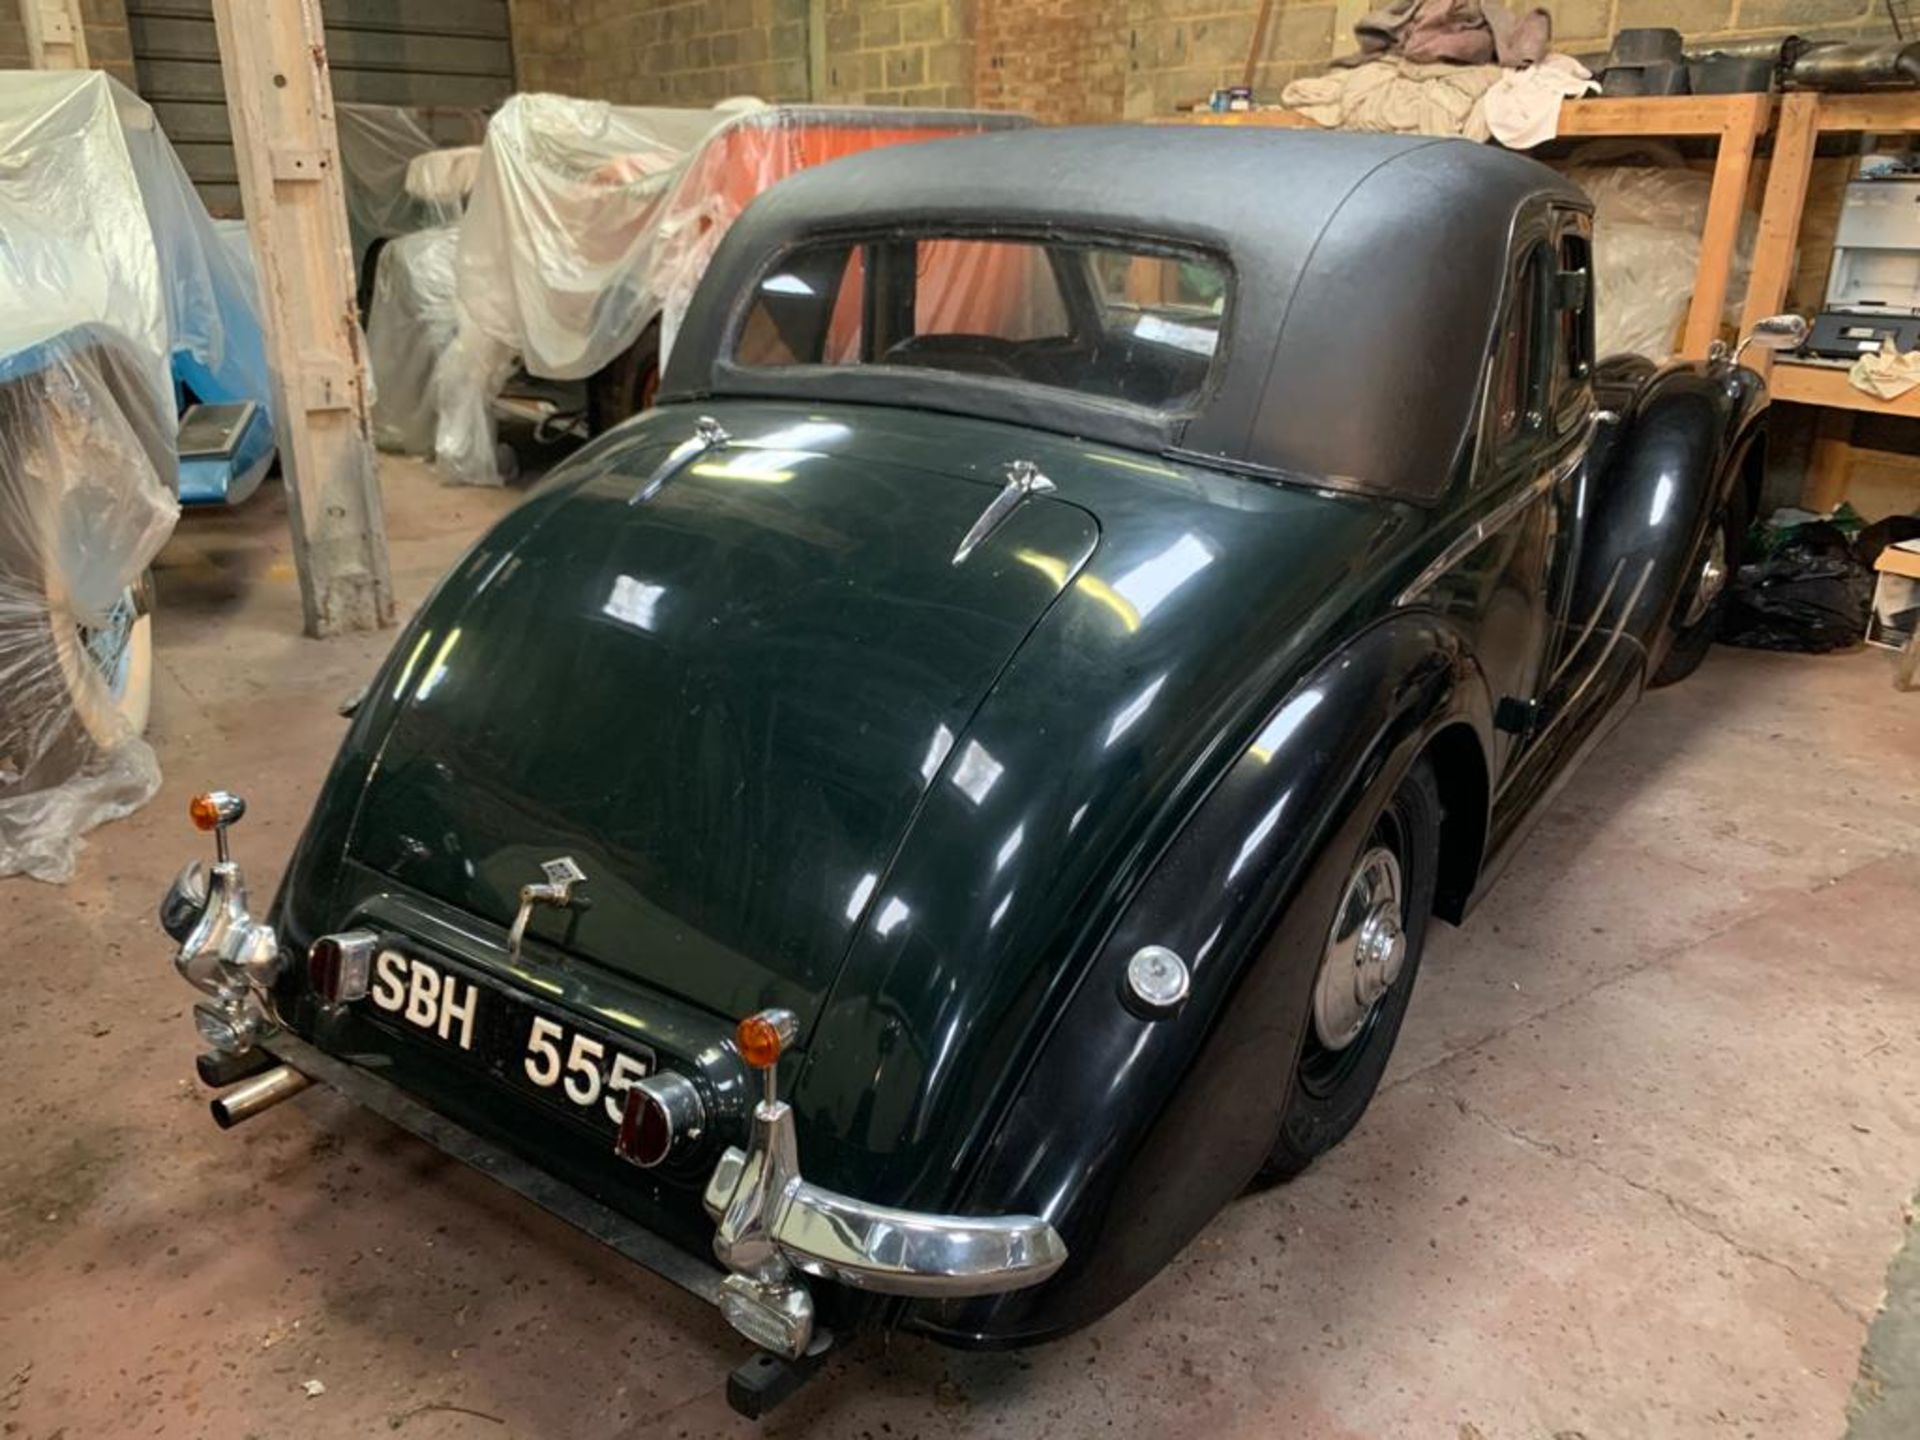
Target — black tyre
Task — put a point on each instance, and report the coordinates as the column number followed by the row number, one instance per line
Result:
column 1365, row 976
column 1703, row 602
column 627, row 383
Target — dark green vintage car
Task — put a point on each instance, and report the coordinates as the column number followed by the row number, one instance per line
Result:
column 1085, row 600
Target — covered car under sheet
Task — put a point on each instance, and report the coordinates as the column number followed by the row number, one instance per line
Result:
column 112, row 283
column 588, row 228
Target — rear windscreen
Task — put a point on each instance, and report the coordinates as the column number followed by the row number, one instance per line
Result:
column 1122, row 324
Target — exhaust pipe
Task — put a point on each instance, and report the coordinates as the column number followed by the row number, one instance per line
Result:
column 263, row 1092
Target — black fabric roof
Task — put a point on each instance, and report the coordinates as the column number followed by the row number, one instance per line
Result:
column 1369, row 271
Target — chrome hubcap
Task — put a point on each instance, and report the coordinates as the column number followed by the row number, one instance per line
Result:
column 1713, row 579
column 1365, row 952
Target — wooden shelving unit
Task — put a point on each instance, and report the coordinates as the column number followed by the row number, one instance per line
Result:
column 1796, row 122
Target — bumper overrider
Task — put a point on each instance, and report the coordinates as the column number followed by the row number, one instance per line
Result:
column 775, row 1230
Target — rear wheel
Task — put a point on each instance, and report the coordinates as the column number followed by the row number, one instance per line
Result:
column 1365, row 976
column 627, row 384
column 1704, row 601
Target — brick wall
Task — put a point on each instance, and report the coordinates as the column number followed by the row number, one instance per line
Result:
column 1181, row 50
column 690, row 52
column 546, row 46
column 1060, row 61
column 898, row 52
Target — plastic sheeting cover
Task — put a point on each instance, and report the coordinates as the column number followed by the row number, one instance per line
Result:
column 378, row 145
column 1646, row 248
column 410, row 326
column 108, row 267
column 588, row 222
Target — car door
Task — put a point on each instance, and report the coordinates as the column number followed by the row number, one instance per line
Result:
column 1506, row 578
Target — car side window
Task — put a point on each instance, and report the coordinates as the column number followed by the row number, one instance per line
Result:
column 1519, row 376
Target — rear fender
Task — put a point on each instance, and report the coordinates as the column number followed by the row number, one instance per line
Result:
column 1129, row 1135
column 1659, row 480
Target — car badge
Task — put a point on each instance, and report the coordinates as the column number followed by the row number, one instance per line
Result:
column 562, row 873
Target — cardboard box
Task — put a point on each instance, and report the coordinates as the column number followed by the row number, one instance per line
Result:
column 1896, row 596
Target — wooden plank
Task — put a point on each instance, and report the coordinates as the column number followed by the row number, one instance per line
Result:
column 1888, row 112
column 274, row 59
column 1275, row 116
column 1794, row 135
column 1827, row 385
column 1662, row 115
column 1831, row 464
column 1743, row 118
column 56, row 34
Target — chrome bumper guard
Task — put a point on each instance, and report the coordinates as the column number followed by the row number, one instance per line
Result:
column 771, row 1223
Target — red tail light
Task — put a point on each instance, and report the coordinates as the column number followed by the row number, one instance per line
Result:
column 662, row 1112
column 340, row 967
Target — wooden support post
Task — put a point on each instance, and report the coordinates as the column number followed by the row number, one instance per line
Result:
column 1794, row 134
column 56, row 37
column 274, row 61
column 1745, row 117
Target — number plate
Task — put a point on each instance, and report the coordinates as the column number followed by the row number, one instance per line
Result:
column 535, row 1050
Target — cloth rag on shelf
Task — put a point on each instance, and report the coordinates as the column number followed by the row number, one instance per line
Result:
column 1459, row 32
column 1523, row 108
column 1886, row 373
column 1399, row 97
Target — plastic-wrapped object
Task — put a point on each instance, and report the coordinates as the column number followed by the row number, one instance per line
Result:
column 378, row 147
column 111, row 280
column 1810, row 593
column 589, row 222
column 84, row 506
column 1646, row 247
column 410, row 326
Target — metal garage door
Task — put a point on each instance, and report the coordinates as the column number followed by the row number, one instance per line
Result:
column 388, row 52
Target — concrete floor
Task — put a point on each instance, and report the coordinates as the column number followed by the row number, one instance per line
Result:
column 1639, row 1168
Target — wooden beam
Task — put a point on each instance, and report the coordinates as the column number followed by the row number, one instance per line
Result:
column 1794, row 134
column 1257, row 51
column 1661, row 115
column 56, row 34
column 1885, row 113
column 1741, row 124
column 274, row 61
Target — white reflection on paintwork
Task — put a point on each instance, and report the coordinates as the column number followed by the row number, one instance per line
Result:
column 1207, row 944
column 805, row 435
column 892, row 915
column 632, row 601
column 1257, row 836
column 862, row 893
column 936, row 754
column 1662, row 497
column 758, row 467
column 1000, row 910
column 1131, row 712
column 1078, row 816
column 976, row 772
column 1009, row 847
column 437, row 671
column 1149, row 583
column 1284, row 724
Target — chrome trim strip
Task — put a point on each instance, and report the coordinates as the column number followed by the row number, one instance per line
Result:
column 1495, row 519
column 1586, row 631
column 1023, row 480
